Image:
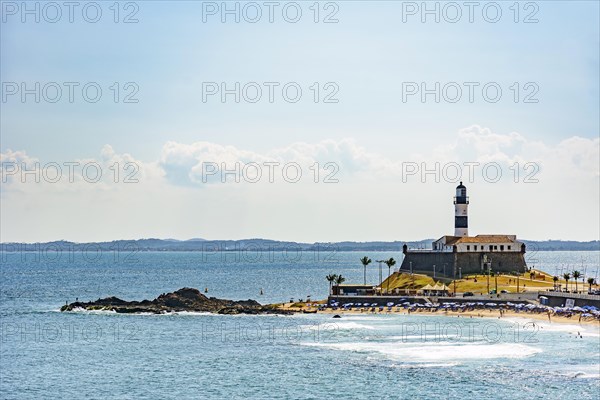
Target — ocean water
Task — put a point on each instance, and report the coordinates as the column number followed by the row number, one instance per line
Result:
column 45, row 354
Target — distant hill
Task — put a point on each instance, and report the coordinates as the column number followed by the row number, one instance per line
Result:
column 257, row 244
column 558, row 245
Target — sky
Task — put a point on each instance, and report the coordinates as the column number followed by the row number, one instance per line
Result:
column 304, row 121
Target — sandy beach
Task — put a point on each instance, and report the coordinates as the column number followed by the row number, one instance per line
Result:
column 477, row 313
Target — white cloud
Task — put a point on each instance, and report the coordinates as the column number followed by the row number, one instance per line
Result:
column 166, row 200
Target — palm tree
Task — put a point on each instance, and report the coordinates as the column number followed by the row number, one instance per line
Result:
column 496, row 281
column 331, row 278
column 576, row 275
column 567, row 276
column 390, row 263
column 365, row 261
column 555, row 279
column 590, row 282
column 339, row 280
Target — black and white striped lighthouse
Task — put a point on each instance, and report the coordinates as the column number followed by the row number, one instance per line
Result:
column 461, row 204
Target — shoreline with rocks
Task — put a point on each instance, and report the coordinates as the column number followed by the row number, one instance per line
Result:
column 182, row 300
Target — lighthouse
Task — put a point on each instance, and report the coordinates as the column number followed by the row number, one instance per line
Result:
column 464, row 254
column 461, row 204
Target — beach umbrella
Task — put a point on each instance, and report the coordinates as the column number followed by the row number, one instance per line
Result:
column 390, row 304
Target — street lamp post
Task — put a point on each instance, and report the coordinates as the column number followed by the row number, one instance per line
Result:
column 380, row 275
column 489, row 271
column 496, row 281
column 454, row 281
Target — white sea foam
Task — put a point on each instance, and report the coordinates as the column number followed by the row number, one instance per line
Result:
column 442, row 351
column 351, row 325
column 580, row 371
column 363, row 318
column 191, row 313
column 82, row 310
column 426, row 365
column 544, row 326
column 583, row 375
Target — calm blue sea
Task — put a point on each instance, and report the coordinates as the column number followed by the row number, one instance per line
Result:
column 46, row 354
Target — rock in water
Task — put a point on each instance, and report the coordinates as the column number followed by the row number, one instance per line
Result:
column 185, row 299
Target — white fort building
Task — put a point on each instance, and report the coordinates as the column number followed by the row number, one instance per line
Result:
column 462, row 253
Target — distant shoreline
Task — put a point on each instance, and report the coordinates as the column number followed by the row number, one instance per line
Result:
column 266, row 245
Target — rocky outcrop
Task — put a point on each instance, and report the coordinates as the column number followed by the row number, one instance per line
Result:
column 185, row 299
